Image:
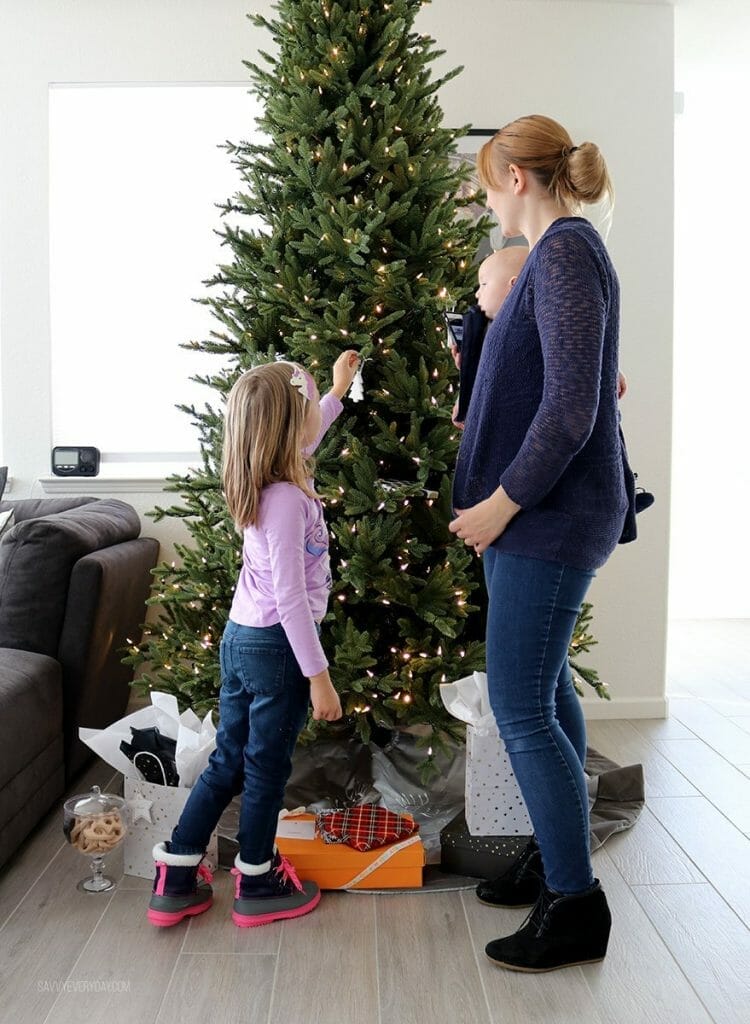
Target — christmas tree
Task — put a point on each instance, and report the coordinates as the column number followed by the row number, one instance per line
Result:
column 360, row 247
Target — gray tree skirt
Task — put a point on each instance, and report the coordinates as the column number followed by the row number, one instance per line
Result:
column 342, row 771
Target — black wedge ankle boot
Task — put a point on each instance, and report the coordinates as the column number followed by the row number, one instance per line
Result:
column 520, row 886
column 561, row 931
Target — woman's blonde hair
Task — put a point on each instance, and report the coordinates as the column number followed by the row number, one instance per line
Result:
column 263, row 437
column 573, row 175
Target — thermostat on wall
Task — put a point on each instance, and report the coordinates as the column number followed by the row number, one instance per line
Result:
column 75, row 461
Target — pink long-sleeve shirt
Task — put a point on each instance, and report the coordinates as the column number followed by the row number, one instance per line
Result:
column 286, row 572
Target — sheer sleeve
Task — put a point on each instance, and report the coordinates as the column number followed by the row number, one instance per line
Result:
column 570, row 307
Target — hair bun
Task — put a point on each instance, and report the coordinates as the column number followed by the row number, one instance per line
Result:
column 587, row 173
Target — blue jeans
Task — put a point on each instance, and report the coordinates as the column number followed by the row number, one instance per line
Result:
column 263, row 707
column 533, row 606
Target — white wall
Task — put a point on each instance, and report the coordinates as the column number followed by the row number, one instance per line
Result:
column 604, row 70
column 710, row 558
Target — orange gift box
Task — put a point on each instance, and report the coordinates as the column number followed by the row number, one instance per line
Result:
column 337, row 866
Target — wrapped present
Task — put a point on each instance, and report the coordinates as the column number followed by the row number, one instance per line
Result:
column 461, row 853
column 494, row 805
column 155, row 808
column 338, row 866
column 364, row 827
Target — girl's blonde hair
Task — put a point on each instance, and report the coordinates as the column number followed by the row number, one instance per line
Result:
column 573, row 175
column 263, row 437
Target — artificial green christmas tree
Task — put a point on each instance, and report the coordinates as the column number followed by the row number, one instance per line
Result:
column 360, row 247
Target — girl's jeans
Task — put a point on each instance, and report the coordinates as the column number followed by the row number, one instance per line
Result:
column 532, row 611
column 263, row 706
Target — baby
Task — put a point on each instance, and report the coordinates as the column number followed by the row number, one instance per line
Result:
column 497, row 275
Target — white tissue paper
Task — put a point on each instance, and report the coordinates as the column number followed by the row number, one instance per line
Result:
column 154, row 809
column 494, row 805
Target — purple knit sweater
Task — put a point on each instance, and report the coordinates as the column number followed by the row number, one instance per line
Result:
column 543, row 418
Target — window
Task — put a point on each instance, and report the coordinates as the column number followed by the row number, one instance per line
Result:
column 135, row 174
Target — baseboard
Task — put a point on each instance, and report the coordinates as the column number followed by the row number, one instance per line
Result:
column 625, row 707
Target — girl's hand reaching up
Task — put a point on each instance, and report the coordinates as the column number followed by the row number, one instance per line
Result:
column 344, row 370
column 325, row 700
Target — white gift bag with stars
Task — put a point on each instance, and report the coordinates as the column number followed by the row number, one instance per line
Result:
column 154, row 812
column 494, row 805
column 155, row 809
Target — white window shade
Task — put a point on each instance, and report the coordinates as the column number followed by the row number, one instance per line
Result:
column 135, row 173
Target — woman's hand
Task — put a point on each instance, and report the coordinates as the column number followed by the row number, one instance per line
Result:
column 481, row 524
column 325, row 700
column 344, row 369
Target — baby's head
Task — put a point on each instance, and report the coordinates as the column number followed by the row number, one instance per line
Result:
column 497, row 275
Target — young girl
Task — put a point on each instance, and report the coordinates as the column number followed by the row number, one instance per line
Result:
column 272, row 661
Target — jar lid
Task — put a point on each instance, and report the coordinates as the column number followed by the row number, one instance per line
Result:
column 95, row 802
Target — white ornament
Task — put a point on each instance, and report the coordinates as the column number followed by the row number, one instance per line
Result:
column 141, row 808
column 357, row 392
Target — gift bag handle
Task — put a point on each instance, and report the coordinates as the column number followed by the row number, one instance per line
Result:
column 158, row 761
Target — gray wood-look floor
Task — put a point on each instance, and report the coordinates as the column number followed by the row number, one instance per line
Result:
column 677, row 884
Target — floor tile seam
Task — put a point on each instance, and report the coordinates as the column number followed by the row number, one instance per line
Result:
column 82, row 950
column 488, row 1005
column 664, row 943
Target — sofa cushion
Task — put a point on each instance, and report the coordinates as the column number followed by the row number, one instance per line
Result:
column 31, row 711
column 7, row 522
column 36, row 559
column 32, row 508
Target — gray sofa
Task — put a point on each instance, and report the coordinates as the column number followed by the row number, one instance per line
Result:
column 74, row 578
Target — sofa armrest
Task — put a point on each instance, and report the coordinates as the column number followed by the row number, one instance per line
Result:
column 105, row 607
column 37, row 557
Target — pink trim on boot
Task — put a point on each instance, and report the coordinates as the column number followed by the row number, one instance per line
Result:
column 255, row 920
column 161, row 867
column 164, row 918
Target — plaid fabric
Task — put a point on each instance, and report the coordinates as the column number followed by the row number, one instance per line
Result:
column 365, row 827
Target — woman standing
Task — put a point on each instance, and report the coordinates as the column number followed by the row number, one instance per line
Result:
column 540, row 492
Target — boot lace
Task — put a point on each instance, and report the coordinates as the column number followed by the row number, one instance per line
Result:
column 287, row 874
column 539, row 915
column 522, row 868
column 205, row 873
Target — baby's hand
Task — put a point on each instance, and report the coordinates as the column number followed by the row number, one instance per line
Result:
column 325, row 700
column 454, row 417
column 344, row 370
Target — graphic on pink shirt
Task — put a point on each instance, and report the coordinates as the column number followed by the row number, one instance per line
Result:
column 317, row 542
